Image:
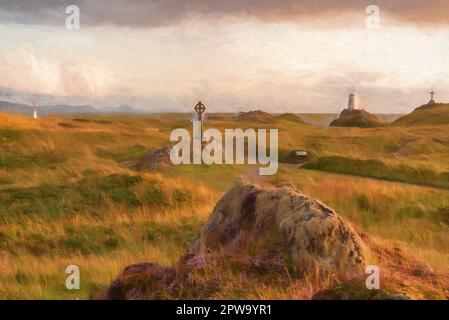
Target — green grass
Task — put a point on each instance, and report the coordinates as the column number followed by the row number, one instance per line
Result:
column 93, row 195
column 17, row 159
column 435, row 115
column 387, row 210
column 8, row 134
column 66, row 197
column 100, row 121
column 125, row 153
column 380, row 170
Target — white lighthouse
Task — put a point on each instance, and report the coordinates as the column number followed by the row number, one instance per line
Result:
column 34, row 111
column 352, row 103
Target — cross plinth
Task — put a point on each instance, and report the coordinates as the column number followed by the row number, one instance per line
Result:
column 432, row 94
column 200, row 108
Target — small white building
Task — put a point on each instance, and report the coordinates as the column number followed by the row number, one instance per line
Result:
column 301, row 153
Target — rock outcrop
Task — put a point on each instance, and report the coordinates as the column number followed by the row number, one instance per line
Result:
column 154, row 160
column 284, row 223
column 357, row 118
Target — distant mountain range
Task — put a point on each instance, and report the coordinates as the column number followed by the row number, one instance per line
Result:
column 24, row 109
column 62, row 109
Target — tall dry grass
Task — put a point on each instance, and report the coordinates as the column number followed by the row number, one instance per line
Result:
column 155, row 217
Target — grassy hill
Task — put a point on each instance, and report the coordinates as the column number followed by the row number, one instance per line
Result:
column 257, row 116
column 290, row 117
column 434, row 114
column 68, row 197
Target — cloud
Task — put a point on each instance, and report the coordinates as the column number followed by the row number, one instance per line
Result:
column 31, row 70
column 326, row 95
column 153, row 13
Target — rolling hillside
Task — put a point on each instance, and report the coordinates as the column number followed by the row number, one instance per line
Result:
column 67, row 196
column 62, row 109
column 433, row 114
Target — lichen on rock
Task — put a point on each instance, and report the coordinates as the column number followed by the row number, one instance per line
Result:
column 285, row 221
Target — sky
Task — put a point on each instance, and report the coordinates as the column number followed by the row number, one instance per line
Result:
column 234, row 55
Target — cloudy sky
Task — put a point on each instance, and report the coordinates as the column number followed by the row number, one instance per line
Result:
column 278, row 55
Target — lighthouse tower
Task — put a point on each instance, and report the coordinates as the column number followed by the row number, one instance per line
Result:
column 352, row 102
column 34, row 111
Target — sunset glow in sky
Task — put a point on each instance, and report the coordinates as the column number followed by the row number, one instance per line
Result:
column 297, row 56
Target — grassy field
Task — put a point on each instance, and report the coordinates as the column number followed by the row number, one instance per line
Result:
column 67, row 197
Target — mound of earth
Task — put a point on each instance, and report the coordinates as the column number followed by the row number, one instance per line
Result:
column 263, row 230
column 256, row 116
column 290, row 117
column 154, row 160
column 357, row 118
column 428, row 114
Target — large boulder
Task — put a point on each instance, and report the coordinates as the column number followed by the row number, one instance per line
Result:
column 281, row 222
column 154, row 160
column 260, row 231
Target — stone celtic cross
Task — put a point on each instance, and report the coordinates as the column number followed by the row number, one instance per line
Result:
column 432, row 94
column 200, row 108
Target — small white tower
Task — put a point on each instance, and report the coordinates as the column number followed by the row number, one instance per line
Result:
column 352, row 105
column 34, row 111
